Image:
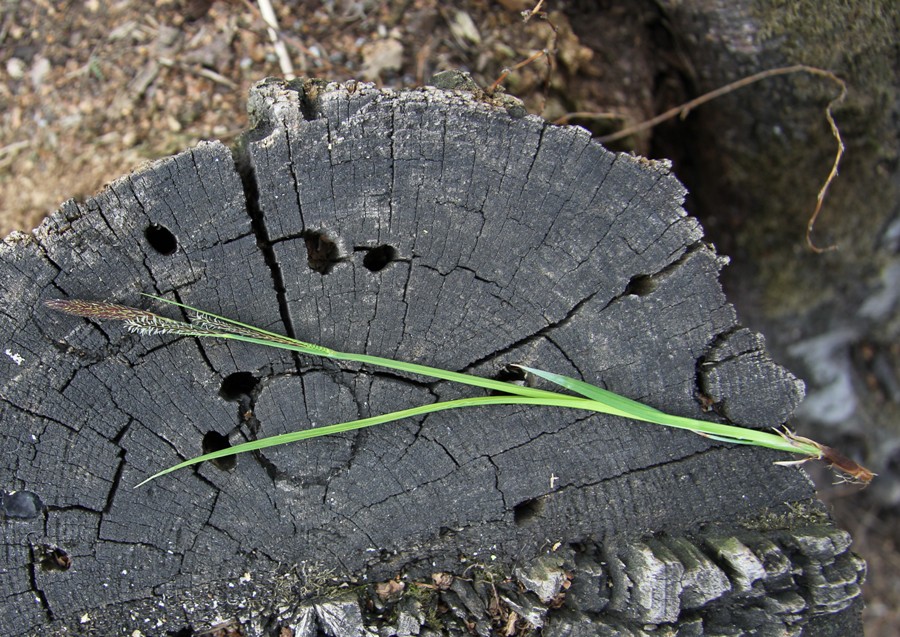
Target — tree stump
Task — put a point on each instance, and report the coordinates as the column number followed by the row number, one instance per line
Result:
column 442, row 227
column 834, row 316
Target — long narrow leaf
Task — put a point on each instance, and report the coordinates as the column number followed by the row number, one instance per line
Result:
column 627, row 407
column 272, row 339
column 592, row 398
column 638, row 411
column 306, row 434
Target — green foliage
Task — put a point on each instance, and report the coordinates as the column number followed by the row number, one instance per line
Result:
column 589, row 397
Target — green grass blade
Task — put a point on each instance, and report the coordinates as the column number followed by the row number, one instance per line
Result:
column 592, row 398
column 728, row 439
column 613, row 403
column 271, row 339
column 306, row 434
column 456, row 377
column 626, row 406
column 724, row 433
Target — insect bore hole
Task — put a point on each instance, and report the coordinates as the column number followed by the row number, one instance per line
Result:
column 161, row 239
column 214, row 441
column 378, row 258
column 238, row 385
column 53, row 558
column 321, row 251
column 640, row 285
column 514, row 375
column 527, row 510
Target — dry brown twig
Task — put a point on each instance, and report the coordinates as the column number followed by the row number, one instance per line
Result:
column 505, row 73
column 537, row 10
column 548, row 53
column 683, row 110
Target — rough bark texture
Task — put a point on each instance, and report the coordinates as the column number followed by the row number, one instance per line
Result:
column 434, row 226
column 755, row 160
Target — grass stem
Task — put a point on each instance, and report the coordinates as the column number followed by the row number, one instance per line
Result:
column 589, row 397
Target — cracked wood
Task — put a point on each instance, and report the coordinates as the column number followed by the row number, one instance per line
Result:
column 513, row 241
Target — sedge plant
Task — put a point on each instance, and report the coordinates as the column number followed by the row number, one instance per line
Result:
column 584, row 396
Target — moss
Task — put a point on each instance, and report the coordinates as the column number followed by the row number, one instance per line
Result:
column 794, row 515
column 785, row 150
column 828, row 31
column 427, row 598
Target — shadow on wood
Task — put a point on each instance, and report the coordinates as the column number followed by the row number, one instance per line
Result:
column 438, row 227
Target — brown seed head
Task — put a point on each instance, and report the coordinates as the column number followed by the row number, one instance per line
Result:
column 849, row 470
column 97, row 309
column 138, row 321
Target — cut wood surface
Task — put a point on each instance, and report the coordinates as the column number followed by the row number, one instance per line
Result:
column 435, row 226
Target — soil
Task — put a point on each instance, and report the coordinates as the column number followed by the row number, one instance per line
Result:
column 91, row 90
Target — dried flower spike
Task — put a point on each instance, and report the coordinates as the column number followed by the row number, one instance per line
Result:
column 137, row 321
column 96, row 309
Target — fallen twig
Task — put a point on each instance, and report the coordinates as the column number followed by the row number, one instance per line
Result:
column 686, row 108
column 549, row 52
column 281, row 52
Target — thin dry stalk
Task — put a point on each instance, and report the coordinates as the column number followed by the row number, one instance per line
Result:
column 683, row 110
column 549, row 53
column 834, row 167
column 537, row 10
column 534, row 56
column 281, row 52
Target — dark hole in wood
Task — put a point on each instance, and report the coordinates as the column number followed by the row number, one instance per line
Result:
column 161, row 239
column 238, row 385
column 527, row 510
column 321, row 251
column 214, row 441
column 376, row 259
column 512, row 374
column 641, row 285
column 55, row 559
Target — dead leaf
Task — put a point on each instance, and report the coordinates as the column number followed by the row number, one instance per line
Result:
column 389, row 590
column 442, row 581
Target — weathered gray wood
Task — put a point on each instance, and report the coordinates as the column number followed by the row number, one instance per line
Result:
column 755, row 160
column 503, row 239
